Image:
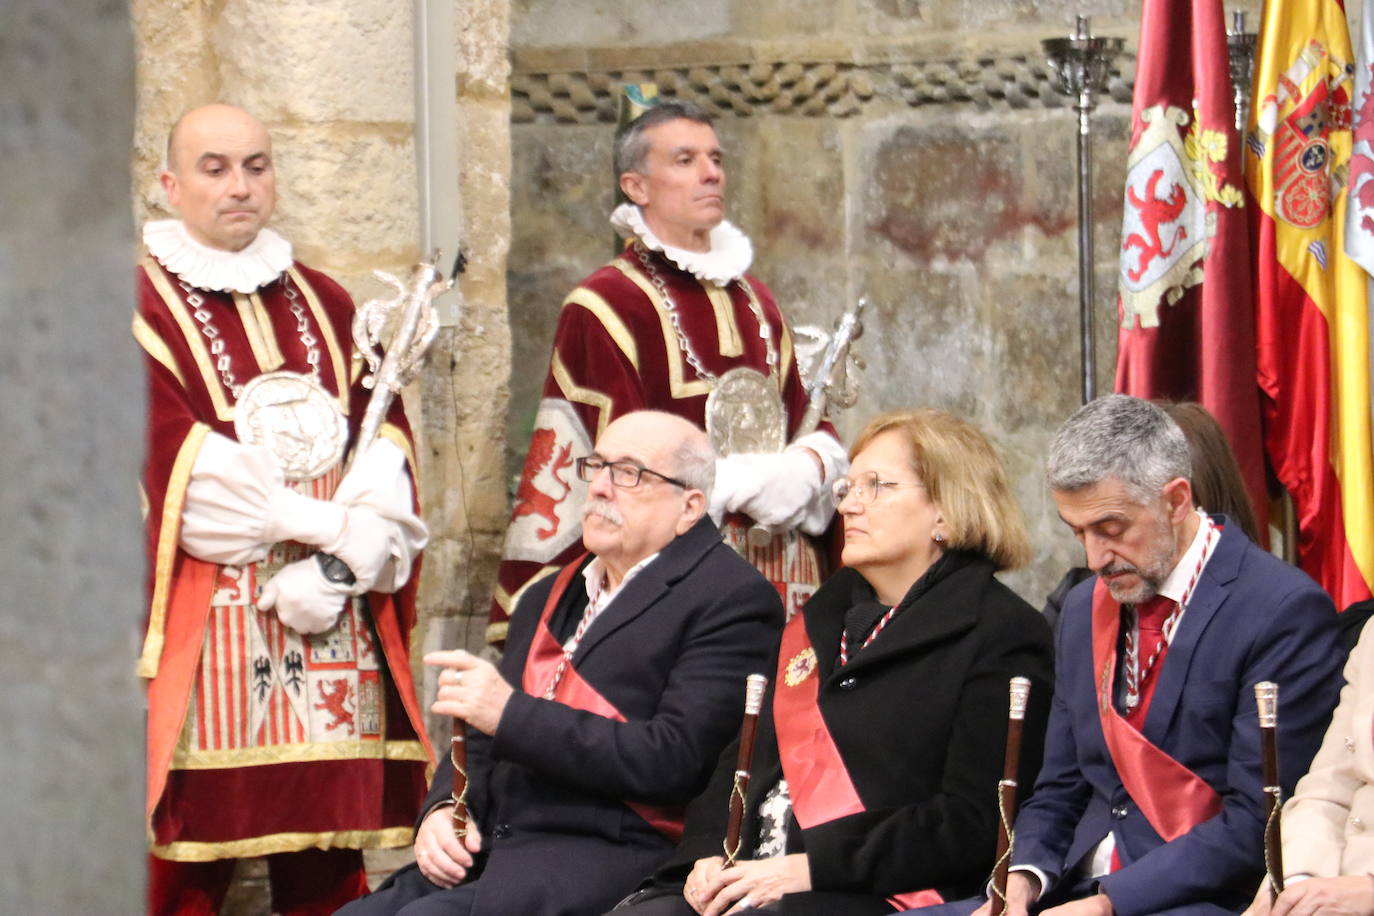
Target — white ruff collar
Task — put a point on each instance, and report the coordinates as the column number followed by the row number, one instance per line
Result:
column 215, row 269
column 730, row 255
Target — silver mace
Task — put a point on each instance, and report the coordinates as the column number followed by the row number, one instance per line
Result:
column 416, row 327
column 1080, row 65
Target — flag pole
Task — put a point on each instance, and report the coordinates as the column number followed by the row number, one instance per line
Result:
column 1080, row 65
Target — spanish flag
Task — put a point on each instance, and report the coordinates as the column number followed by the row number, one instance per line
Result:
column 1312, row 299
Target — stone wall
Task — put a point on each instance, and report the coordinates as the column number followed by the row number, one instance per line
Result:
column 912, row 151
column 71, row 437
column 334, row 81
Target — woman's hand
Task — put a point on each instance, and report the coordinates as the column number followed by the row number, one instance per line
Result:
column 1352, row 895
column 442, row 858
column 749, row 884
column 705, row 875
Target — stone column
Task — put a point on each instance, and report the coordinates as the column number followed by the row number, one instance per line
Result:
column 72, row 432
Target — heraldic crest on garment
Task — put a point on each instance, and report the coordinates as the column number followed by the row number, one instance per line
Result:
column 545, row 520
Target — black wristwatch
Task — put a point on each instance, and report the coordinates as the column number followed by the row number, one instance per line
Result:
column 335, row 570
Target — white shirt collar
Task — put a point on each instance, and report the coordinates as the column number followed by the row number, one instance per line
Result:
column 1176, row 583
column 599, row 594
column 245, row 271
column 597, row 581
column 730, row 255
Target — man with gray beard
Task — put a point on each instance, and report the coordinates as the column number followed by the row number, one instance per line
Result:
column 1149, row 799
column 621, row 684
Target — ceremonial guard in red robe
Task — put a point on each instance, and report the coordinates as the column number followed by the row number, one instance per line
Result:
column 674, row 323
column 282, row 719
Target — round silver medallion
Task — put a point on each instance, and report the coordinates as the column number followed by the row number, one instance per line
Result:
column 744, row 414
column 294, row 417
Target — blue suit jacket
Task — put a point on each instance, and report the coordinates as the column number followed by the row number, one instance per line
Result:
column 1252, row 618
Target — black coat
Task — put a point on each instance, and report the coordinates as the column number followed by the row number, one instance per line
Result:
column 920, row 717
column 671, row 652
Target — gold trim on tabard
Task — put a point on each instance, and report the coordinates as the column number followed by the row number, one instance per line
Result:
column 185, row 759
column 153, row 344
column 253, row 322
column 579, row 395
column 727, row 329
column 676, row 386
column 272, row 357
column 336, row 354
column 496, row 632
column 507, row 602
column 285, row 842
column 392, row 433
column 151, row 657
column 610, row 321
column 195, row 339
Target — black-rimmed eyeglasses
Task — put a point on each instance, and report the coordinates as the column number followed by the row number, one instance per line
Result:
column 624, row 474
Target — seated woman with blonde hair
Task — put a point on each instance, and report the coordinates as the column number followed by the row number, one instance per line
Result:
column 880, row 745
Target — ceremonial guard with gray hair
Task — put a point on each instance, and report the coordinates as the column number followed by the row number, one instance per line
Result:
column 1149, row 799
column 675, row 323
column 619, row 688
column 282, row 721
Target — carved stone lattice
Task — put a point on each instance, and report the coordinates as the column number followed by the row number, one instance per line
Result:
column 832, row 89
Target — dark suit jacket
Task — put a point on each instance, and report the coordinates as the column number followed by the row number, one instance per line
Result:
column 671, row 652
column 1252, row 618
column 920, row 717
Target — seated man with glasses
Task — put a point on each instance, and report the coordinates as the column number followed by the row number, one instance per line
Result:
column 622, row 682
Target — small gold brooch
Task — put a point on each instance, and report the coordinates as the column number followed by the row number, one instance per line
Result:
column 800, row 667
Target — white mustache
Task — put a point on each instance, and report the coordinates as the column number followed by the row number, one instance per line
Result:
column 605, row 509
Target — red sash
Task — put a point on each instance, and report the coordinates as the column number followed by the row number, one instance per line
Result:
column 1172, row 797
column 817, row 778
column 541, row 663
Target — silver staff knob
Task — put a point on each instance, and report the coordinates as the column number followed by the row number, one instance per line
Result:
column 1020, row 694
column 754, row 686
column 1267, row 702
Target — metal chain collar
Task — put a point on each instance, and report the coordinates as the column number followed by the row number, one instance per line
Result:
column 674, row 318
column 223, row 364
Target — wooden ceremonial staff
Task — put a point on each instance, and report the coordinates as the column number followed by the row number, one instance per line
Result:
column 1267, row 703
column 754, row 686
column 458, row 753
column 1006, row 791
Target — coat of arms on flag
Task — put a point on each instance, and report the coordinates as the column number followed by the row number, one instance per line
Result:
column 1167, row 223
column 1305, row 179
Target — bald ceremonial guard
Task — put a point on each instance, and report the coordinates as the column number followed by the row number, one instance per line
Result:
column 282, row 720
column 674, row 323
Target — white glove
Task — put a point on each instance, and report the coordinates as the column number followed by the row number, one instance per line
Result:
column 383, row 535
column 365, row 545
column 305, row 600
column 776, row 490
column 237, row 506
column 294, row 516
